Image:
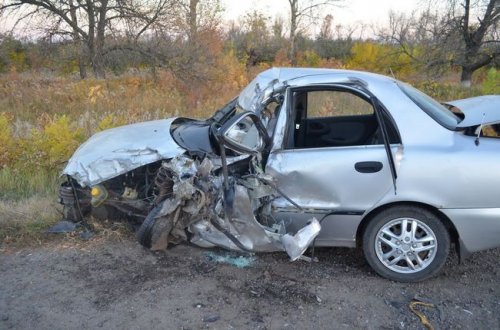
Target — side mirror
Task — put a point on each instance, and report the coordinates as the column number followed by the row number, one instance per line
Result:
column 244, row 134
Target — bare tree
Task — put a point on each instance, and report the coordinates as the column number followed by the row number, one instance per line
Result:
column 479, row 48
column 198, row 14
column 326, row 28
column 334, row 41
column 277, row 27
column 88, row 22
column 435, row 40
column 193, row 18
column 420, row 36
column 300, row 11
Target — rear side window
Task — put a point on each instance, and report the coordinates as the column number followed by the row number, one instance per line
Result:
column 433, row 108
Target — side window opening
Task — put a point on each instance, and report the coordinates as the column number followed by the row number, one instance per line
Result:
column 335, row 118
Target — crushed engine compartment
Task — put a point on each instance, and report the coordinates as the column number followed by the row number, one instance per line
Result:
column 187, row 199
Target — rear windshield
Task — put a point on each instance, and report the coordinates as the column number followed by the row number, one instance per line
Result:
column 433, row 108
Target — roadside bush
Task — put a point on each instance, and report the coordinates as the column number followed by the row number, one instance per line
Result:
column 380, row 58
column 7, row 144
column 446, row 91
column 50, row 146
column 491, row 85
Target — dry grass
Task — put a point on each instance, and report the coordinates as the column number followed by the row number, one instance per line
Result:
column 32, row 99
column 24, row 223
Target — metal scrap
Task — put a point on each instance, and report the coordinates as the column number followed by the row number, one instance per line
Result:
column 198, row 204
column 296, row 245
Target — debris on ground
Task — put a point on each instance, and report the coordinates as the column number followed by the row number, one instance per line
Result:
column 63, row 227
column 423, row 319
column 236, row 260
column 211, row 318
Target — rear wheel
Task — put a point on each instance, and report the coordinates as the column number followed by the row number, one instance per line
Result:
column 406, row 244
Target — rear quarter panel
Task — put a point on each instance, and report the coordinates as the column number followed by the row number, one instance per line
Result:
column 459, row 175
column 462, row 180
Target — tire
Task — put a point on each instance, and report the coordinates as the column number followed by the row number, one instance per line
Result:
column 410, row 255
column 145, row 232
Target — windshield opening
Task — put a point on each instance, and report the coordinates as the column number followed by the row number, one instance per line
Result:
column 433, row 108
column 226, row 112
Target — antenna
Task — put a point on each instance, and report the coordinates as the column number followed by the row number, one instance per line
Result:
column 479, row 130
column 392, row 73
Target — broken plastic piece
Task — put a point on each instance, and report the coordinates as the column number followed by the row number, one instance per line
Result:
column 63, row 226
column 297, row 244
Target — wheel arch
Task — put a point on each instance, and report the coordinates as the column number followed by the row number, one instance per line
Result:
column 450, row 227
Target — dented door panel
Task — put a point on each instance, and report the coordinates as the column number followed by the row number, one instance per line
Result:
column 326, row 178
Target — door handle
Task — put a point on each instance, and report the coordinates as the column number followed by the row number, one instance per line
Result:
column 368, row 167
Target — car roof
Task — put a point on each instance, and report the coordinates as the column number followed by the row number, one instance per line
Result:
column 314, row 74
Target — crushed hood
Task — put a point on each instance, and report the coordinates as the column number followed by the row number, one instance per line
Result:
column 115, row 151
column 478, row 110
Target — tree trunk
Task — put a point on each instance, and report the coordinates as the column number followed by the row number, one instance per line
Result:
column 81, row 47
column 473, row 36
column 97, row 58
column 98, row 66
column 466, row 77
column 98, row 61
column 82, row 68
column 293, row 31
column 82, row 59
column 193, row 20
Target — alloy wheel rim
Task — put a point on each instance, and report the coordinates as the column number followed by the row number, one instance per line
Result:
column 406, row 245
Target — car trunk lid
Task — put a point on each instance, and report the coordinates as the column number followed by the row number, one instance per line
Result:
column 478, row 110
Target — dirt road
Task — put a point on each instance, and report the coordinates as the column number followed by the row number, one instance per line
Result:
column 118, row 284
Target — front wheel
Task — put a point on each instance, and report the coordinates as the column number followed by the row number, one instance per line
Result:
column 406, row 244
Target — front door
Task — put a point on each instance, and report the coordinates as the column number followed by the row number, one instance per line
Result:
column 333, row 158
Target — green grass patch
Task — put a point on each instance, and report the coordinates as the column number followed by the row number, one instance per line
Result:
column 22, row 184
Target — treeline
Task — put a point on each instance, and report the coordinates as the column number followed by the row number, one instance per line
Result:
column 253, row 41
column 188, row 38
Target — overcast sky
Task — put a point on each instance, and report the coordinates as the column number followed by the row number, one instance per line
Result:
column 351, row 12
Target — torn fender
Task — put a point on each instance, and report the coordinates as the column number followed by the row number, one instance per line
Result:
column 116, row 151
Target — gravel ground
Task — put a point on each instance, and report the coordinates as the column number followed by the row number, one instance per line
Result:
column 118, row 284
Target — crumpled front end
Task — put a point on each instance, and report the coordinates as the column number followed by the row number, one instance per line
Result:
column 202, row 211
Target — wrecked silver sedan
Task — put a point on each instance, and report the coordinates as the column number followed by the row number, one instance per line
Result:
column 306, row 157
